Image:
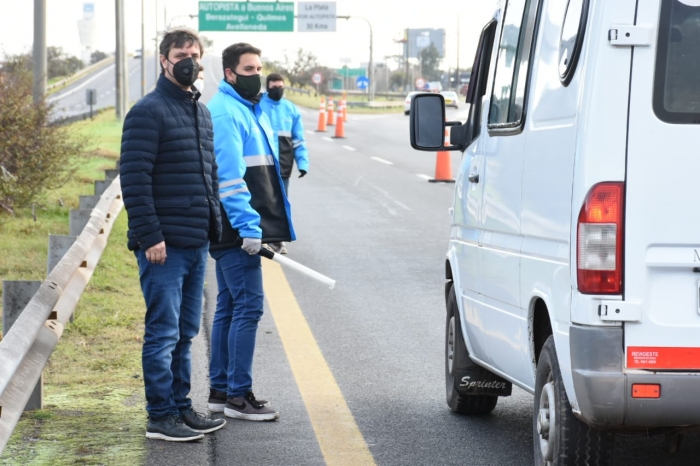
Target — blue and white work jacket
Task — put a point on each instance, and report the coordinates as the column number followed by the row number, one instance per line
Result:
column 253, row 201
column 289, row 129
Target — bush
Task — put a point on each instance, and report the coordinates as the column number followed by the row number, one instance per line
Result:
column 96, row 56
column 35, row 155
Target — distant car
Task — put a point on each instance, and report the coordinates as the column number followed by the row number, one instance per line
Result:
column 451, row 99
column 407, row 102
column 137, row 53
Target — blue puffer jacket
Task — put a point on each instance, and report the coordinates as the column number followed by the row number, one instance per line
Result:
column 250, row 187
column 289, row 129
column 168, row 171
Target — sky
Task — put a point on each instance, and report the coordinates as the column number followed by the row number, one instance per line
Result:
column 350, row 42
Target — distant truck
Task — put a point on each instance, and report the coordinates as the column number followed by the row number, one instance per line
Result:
column 573, row 265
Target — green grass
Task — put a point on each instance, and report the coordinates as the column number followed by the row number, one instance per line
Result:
column 93, row 389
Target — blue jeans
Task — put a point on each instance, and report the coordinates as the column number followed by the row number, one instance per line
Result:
column 239, row 307
column 173, row 293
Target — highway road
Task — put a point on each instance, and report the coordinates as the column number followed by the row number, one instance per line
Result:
column 366, row 216
column 357, row 373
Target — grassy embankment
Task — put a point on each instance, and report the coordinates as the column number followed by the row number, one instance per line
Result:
column 93, row 389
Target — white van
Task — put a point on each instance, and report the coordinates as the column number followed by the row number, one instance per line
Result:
column 573, row 267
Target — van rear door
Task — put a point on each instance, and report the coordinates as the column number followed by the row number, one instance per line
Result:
column 662, row 218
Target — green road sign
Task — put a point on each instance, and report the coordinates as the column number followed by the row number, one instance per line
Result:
column 246, row 16
column 351, row 72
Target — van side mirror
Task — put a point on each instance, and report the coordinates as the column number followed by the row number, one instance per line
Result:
column 428, row 122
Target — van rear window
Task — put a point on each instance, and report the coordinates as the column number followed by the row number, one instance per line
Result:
column 677, row 80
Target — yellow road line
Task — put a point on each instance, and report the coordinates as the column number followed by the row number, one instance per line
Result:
column 334, row 425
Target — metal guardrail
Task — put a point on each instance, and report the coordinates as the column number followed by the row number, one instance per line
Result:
column 80, row 74
column 26, row 348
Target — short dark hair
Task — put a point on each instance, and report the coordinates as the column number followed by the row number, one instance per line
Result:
column 178, row 38
column 231, row 56
column 272, row 77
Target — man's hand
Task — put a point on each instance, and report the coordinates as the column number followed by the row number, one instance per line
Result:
column 251, row 245
column 156, row 254
column 302, row 173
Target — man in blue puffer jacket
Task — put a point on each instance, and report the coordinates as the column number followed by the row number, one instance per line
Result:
column 254, row 210
column 170, row 190
column 289, row 131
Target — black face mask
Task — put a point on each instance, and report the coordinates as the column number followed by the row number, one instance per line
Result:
column 247, row 86
column 185, row 71
column 275, row 93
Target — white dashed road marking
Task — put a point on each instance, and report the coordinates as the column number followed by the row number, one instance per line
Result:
column 351, row 149
column 308, row 131
column 425, row 177
column 385, row 162
column 326, row 138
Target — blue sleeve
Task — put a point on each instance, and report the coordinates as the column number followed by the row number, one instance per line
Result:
column 139, row 150
column 301, row 154
column 229, row 138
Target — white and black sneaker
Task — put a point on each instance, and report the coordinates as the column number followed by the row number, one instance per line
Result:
column 248, row 408
column 217, row 401
column 172, row 429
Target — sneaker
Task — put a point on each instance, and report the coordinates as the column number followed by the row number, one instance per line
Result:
column 283, row 248
column 248, row 408
column 200, row 422
column 217, row 401
column 172, row 429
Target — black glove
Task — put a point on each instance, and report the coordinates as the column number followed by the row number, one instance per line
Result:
column 302, row 173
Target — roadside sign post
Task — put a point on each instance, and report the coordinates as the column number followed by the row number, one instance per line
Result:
column 246, row 16
column 362, row 82
column 91, row 99
column 317, row 78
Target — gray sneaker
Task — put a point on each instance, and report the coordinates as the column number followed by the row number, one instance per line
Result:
column 172, row 429
column 248, row 408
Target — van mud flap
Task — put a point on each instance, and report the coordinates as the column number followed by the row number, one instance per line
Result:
column 475, row 380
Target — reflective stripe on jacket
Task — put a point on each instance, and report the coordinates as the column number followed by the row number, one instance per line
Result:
column 253, row 202
column 289, row 129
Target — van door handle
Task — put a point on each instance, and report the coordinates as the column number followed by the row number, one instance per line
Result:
column 474, row 178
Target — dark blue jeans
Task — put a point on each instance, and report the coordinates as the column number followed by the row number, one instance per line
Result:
column 239, row 307
column 173, row 293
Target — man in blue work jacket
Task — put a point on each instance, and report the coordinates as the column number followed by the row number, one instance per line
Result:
column 289, row 129
column 254, row 210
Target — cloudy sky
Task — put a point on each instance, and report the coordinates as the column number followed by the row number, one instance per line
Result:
column 350, row 41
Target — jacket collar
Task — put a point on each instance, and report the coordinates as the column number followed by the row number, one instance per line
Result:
column 169, row 88
column 227, row 88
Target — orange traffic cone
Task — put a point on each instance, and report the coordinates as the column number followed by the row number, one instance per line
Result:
column 331, row 117
column 443, row 164
column 344, row 103
column 322, row 115
column 340, row 123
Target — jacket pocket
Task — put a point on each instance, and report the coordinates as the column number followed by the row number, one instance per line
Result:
column 174, row 203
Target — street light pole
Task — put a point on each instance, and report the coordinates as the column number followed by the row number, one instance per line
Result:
column 39, row 50
column 370, row 71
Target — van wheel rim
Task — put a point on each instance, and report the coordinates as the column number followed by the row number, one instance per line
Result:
column 547, row 430
column 450, row 344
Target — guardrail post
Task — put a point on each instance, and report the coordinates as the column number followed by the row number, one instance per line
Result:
column 77, row 221
column 88, row 202
column 16, row 294
column 110, row 175
column 101, row 187
column 58, row 247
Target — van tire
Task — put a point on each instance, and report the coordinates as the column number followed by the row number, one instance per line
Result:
column 568, row 441
column 454, row 346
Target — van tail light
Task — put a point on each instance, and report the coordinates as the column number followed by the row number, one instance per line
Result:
column 600, row 240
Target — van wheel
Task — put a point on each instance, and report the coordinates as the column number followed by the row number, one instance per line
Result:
column 560, row 439
column 456, row 355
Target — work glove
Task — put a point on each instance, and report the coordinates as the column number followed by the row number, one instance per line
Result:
column 251, row 245
column 302, row 173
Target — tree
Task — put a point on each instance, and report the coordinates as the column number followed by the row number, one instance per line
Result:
column 430, row 63
column 96, row 56
column 207, row 42
column 34, row 154
column 60, row 64
column 298, row 71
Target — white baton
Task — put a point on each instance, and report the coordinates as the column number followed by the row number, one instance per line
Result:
column 298, row 267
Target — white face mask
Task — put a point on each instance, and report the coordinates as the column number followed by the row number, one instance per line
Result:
column 199, row 84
